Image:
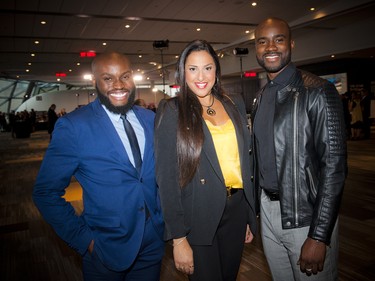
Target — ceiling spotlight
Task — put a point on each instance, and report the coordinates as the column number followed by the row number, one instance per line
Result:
column 240, row 51
column 161, row 44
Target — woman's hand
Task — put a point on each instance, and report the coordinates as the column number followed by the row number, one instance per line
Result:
column 249, row 235
column 183, row 256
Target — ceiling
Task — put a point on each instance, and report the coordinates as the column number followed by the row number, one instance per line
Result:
column 342, row 27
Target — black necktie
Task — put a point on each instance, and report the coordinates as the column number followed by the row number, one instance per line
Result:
column 133, row 143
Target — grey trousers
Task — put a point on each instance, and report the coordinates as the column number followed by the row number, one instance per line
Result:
column 282, row 247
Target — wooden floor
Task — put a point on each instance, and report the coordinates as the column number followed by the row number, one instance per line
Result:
column 30, row 250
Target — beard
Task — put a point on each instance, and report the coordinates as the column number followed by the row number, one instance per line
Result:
column 117, row 109
column 284, row 61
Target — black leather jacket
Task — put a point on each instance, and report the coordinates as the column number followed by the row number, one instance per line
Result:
column 310, row 148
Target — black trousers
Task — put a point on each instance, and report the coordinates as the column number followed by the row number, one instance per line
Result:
column 221, row 260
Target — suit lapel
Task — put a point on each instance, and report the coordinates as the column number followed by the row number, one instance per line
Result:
column 234, row 115
column 148, row 134
column 105, row 123
column 210, row 152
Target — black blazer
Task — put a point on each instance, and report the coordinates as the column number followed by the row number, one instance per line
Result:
column 195, row 210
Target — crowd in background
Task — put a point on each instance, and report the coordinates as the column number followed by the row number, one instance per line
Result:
column 23, row 123
column 357, row 110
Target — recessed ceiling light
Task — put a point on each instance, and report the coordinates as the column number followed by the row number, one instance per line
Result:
column 104, row 44
column 70, row 70
column 198, row 29
column 33, row 55
column 127, row 26
column 139, row 56
column 247, row 31
column 36, row 42
column 332, row 56
column 312, row 9
column 176, row 57
column 254, row 4
column 78, row 63
column 58, row 79
column 43, row 22
column 27, row 70
column 29, row 63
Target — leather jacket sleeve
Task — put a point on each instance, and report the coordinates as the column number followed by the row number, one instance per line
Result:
column 329, row 141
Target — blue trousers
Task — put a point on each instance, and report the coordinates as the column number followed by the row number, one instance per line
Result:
column 146, row 266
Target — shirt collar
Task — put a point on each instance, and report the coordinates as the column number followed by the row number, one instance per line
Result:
column 115, row 116
column 284, row 76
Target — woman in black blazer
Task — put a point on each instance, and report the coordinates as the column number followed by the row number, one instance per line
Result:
column 202, row 168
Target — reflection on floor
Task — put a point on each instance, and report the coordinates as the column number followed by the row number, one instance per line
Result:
column 30, row 250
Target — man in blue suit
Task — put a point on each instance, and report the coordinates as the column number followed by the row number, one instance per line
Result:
column 119, row 234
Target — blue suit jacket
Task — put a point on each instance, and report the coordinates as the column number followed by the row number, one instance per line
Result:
column 85, row 145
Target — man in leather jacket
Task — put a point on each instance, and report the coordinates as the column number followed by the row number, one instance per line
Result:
column 300, row 143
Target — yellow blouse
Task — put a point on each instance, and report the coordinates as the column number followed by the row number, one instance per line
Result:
column 225, row 141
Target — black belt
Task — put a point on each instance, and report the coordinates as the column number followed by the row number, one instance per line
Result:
column 231, row 190
column 272, row 195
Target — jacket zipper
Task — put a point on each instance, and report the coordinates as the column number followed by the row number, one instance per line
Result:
column 295, row 157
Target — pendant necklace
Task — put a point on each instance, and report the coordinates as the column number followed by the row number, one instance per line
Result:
column 210, row 111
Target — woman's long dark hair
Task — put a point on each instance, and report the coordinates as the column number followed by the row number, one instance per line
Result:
column 190, row 135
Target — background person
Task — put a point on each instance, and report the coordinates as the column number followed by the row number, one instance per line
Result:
column 366, row 112
column 140, row 102
column 299, row 138
column 119, row 234
column 202, row 163
column 356, row 122
column 52, row 118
